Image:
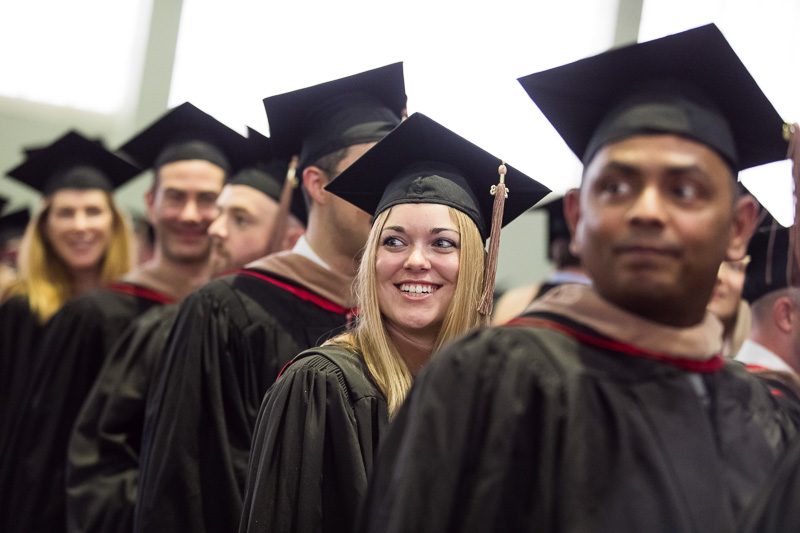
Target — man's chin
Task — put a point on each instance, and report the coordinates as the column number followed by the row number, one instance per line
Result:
column 188, row 255
column 220, row 267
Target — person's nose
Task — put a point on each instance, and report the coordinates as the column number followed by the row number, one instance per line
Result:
column 648, row 207
column 219, row 229
column 191, row 212
column 80, row 222
column 417, row 259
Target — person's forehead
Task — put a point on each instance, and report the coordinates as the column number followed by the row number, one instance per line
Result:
column 243, row 196
column 78, row 196
column 419, row 215
column 660, row 150
column 191, row 174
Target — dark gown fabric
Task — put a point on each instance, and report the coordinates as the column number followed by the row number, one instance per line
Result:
column 556, row 428
column 78, row 338
column 314, row 446
column 20, row 331
column 776, row 509
column 230, row 340
column 103, row 456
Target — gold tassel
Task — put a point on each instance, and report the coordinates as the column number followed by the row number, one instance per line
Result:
column 490, row 271
column 791, row 132
column 281, row 223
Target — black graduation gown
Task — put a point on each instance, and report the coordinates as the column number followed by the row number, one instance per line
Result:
column 103, row 456
column 776, row 509
column 229, row 342
column 556, row 428
column 76, row 343
column 314, row 444
column 20, row 331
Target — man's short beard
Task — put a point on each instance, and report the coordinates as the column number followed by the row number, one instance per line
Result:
column 200, row 257
column 221, row 260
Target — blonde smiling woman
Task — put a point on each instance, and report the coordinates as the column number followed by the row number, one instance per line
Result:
column 419, row 285
column 77, row 241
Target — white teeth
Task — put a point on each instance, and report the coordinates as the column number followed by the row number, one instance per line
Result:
column 417, row 289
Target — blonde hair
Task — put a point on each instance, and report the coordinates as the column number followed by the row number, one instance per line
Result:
column 369, row 337
column 44, row 278
column 741, row 330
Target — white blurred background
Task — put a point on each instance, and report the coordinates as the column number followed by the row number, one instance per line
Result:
column 108, row 68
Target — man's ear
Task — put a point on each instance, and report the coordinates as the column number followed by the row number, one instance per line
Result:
column 782, row 314
column 572, row 212
column 745, row 219
column 314, row 180
column 150, row 202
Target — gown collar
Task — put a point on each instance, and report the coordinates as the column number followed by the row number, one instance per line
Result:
column 302, row 270
column 580, row 303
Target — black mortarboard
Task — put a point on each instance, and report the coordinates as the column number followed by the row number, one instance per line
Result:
column 319, row 120
column 186, row 133
column 259, row 180
column 267, row 173
column 263, row 171
column 421, row 161
column 767, row 270
column 13, row 224
column 263, row 156
column 690, row 84
column 556, row 222
column 73, row 162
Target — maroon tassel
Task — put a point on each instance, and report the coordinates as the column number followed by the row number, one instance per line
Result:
column 490, row 271
column 281, row 223
column 791, row 132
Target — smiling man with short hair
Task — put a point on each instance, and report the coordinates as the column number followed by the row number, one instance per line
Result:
column 232, row 337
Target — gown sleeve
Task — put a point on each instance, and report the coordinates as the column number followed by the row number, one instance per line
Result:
column 103, row 454
column 313, row 450
column 776, row 509
column 199, row 420
column 69, row 358
column 471, row 423
column 20, row 331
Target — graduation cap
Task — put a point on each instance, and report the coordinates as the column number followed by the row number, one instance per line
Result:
column 266, row 165
column 769, row 269
column 690, row 84
column 270, row 175
column 13, row 225
column 421, row 161
column 319, row 120
column 259, row 180
column 556, row 222
column 557, row 230
column 263, row 171
column 73, row 162
column 186, row 133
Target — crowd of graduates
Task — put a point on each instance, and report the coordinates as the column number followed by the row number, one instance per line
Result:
column 303, row 336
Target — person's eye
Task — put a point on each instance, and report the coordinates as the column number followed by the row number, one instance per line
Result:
column 615, row 187
column 240, row 220
column 207, row 201
column 174, row 197
column 392, row 242
column 444, row 244
column 93, row 211
column 685, row 191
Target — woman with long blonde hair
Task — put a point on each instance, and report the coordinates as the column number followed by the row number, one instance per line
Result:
column 420, row 284
column 78, row 241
